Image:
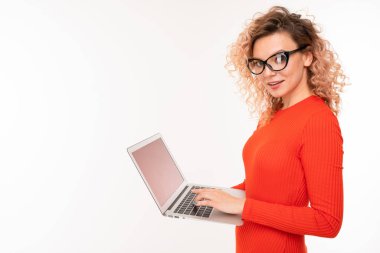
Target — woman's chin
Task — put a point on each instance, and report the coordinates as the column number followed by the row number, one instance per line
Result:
column 274, row 93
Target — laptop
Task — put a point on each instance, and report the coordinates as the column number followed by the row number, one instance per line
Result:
column 168, row 186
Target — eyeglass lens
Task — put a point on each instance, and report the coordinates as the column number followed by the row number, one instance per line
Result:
column 276, row 62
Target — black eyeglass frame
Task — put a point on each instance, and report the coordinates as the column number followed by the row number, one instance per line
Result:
column 286, row 53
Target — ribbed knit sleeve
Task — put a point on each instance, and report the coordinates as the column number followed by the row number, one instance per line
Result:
column 321, row 155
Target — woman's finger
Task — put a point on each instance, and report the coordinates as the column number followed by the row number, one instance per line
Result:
column 200, row 190
column 203, row 195
column 205, row 202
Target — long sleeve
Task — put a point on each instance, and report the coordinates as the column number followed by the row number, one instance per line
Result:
column 240, row 186
column 321, row 155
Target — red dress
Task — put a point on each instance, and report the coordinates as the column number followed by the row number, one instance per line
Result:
column 293, row 180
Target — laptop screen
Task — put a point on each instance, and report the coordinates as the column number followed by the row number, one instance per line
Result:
column 159, row 170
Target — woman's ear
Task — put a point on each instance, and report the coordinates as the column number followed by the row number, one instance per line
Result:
column 307, row 58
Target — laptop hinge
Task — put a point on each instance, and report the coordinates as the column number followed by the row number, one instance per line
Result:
column 175, row 201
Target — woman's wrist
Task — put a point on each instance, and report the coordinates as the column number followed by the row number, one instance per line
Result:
column 241, row 205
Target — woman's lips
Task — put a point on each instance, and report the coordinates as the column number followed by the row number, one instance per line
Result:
column 275, row 84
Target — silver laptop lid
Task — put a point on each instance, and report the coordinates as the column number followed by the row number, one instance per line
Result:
column 158, row 169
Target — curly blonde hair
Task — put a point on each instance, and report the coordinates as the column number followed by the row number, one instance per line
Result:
column 325, row 77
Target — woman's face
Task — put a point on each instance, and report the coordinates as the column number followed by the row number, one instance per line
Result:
column 291, row 82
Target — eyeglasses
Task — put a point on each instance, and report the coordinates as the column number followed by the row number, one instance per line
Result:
column 276, row 62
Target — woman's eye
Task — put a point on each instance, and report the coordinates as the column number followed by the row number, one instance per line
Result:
column 280, row 58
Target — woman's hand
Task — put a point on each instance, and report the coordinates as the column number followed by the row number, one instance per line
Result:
column 219, row 199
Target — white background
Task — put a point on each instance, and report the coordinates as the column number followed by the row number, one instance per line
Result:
column 82, row 80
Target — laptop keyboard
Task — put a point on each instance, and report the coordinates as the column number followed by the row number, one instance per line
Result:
column 187, row 206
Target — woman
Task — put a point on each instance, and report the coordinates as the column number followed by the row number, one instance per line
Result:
column 293, row 160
